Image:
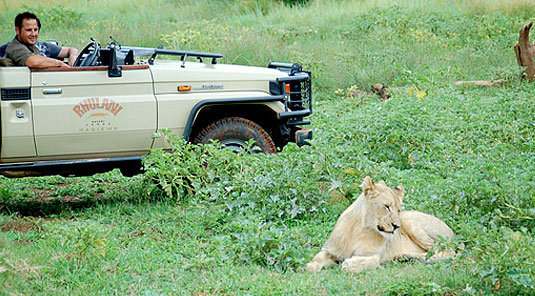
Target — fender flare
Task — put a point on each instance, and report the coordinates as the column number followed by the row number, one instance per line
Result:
column 195, row 110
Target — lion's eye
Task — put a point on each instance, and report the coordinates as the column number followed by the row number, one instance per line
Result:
column 387, row 207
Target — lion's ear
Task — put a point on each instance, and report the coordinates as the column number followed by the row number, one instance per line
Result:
column 400, row 191
column 367, row 186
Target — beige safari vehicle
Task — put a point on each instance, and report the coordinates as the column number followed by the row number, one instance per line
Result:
column 107, row 111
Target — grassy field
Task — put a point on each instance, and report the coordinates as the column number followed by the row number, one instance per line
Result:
column 466, row 155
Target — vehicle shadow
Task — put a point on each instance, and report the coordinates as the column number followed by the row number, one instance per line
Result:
column 43, row 197
column 43, row 208
column 70, row 205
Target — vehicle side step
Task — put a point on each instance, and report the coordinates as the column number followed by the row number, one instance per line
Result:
column 82, row 167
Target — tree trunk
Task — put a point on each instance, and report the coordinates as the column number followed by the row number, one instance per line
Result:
column 525, row 52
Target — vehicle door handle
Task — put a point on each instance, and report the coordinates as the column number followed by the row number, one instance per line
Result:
column 52, row 91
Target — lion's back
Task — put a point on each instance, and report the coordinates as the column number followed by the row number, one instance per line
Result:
column 433, row 226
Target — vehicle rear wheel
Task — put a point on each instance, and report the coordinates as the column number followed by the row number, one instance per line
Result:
column 234, row 132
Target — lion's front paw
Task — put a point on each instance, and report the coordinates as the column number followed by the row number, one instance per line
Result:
column 352, row 266
column 359, row 263
column 319, row 261
column 313, row 266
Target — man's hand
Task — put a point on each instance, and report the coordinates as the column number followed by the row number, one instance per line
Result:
column 63, row 65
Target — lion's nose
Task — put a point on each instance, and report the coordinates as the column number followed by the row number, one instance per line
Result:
column 395, row 226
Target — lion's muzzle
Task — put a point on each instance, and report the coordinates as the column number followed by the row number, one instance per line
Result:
column 382, row 229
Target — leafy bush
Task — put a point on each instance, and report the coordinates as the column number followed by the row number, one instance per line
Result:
column 188, row 168
column 273, row 188
column 502, row 257
column 266, row 245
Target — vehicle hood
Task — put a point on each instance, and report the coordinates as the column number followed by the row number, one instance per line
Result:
column 191, row 71
column 205, row 77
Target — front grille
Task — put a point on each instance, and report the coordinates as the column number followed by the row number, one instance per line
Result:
column 301, row 94
column 11, row 94
column 298, row 103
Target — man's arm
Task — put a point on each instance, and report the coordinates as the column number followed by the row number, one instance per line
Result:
column 37, row 62
column 69, row 52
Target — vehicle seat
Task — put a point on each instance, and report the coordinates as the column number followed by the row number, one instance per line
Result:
column 6, row 62
column 3, row 49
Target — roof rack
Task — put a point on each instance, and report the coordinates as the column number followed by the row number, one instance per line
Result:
column 153, row 52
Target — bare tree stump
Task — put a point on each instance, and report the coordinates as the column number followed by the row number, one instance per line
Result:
column 525, row 52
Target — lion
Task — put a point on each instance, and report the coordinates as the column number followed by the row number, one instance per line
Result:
column 374, row 230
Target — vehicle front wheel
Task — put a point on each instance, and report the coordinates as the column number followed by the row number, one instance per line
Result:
column 234, row 132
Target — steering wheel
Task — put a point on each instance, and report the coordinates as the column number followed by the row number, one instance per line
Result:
column 88, row 56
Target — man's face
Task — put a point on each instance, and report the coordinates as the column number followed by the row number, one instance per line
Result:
column 29, row 32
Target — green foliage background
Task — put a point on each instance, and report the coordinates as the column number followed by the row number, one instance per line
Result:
column 247, row 224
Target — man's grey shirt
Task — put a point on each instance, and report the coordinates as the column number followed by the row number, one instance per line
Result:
column 20, row 52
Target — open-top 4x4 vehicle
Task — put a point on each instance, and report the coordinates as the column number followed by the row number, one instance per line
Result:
column 104, row 112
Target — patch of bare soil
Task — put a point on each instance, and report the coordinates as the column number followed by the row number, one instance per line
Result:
column 44, row 195
column 24, row 224
column 18, row 225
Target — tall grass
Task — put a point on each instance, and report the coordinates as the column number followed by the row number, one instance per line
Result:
column 332, row 38
column 448, row 6
column 343, row 42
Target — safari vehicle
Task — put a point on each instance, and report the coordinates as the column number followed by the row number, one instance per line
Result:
column 104, row 113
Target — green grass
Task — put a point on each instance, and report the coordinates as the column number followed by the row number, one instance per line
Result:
column 465, row 155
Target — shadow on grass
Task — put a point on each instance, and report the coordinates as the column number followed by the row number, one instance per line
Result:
column 43, row 208
column 68, row 205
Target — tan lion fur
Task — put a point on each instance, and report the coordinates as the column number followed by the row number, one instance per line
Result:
column 374, row 230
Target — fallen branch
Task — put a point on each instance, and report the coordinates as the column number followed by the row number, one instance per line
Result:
column 483, row 83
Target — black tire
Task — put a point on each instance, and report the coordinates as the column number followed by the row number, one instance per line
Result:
column 234, row 132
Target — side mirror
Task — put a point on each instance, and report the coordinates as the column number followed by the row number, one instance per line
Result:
column 113, row 70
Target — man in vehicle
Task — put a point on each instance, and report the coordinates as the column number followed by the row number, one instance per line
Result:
column 26, row 50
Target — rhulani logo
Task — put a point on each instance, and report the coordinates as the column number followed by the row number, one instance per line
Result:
column 91, row 104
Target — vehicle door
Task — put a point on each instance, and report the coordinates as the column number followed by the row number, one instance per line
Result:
column 17, row 140
column 83, row 112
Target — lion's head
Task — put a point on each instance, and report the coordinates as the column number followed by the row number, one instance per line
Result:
column 382, row 206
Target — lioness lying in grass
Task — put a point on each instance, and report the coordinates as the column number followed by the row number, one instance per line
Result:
column 373, row 230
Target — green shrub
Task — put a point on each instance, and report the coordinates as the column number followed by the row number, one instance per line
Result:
column 266, row 245
column 188, row 169
column 272, row 187
column 502, row 257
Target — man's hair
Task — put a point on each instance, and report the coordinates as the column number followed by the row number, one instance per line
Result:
column 26, row 15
